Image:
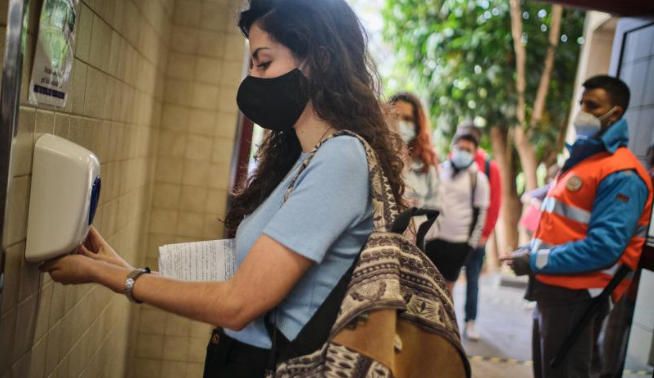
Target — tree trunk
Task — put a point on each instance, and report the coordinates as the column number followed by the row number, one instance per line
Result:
column 507, row 234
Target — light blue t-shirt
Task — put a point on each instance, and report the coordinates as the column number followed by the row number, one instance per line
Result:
column 327, row 219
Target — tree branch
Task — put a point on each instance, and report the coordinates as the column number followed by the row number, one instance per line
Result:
column 544, row 84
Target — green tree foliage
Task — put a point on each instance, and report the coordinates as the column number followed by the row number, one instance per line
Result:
column 460, row 54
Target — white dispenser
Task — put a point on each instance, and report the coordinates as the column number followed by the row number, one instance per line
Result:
column 64, row 195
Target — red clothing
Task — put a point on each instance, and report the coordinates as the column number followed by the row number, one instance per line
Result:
column 493, row 211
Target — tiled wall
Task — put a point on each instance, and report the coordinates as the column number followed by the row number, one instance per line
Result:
column 199, row 121
column 114, row 110
column 152, row 95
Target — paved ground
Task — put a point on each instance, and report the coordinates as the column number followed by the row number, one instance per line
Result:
column 504, row 323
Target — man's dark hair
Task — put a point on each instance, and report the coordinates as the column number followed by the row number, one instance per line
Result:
column 617, row 89
column 466, row 135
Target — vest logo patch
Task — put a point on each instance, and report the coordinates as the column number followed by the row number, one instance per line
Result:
column 622, row 197
column 574, row 183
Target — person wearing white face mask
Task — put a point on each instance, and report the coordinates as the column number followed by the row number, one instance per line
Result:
column 463, row 201
column 420, row 162
column 593, row 225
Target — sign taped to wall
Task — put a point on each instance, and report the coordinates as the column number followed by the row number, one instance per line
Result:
column 53, row 58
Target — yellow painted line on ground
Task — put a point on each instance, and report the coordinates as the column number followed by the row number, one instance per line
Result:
column 513, row 361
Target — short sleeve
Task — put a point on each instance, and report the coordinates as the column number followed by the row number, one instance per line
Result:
column 482, row 191
column 330, row 197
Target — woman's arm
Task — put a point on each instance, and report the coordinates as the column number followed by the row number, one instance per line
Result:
column 266, row 276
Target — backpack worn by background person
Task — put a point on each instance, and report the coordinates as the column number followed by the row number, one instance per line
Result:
column 391, row 314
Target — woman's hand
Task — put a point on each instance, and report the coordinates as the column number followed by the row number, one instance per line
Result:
column 70, row 269
column 96, row 248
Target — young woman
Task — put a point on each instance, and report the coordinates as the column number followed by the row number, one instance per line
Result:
column 309, row 77
column 420, row 170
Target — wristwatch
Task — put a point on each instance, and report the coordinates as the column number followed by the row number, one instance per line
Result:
column 131, row 280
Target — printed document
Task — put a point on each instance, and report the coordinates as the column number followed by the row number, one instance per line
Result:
column 212, row 260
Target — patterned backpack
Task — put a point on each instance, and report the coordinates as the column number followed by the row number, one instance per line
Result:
column 391, row 314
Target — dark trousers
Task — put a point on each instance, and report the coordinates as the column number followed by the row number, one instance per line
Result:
column 228, row 358
column 473, row 269
column 553, row 321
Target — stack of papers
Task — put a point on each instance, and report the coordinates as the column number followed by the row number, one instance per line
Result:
column 212, row 260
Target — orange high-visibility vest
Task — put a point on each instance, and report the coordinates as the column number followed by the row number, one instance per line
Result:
column 566, row 212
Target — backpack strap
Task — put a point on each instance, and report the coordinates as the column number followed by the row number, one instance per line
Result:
column 475, row 209
column 487, row 168
column 385, row 209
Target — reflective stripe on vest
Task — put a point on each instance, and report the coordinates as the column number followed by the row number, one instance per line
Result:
column 552, row 205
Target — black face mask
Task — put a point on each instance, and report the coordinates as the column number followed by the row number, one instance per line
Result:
column 275, row 103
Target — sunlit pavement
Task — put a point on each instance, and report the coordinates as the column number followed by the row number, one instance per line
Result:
column 504, row 324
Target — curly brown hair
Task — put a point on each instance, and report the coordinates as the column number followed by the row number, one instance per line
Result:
column 344, row 88
column 421, row 147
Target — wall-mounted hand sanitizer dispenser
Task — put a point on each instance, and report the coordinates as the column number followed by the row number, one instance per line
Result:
column 64, row 195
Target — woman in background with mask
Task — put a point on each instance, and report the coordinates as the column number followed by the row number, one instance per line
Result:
column 309, row 77
column 420, row 161
column 464, row 196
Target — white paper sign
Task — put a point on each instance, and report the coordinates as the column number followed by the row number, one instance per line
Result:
column 212, row 260
column 53, row 59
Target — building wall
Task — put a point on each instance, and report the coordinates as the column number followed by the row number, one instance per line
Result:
column 205, row 64
column 152, row 94
column 594, row 57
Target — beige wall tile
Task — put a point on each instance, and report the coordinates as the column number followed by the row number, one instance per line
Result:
column 23, row 145
column 37, row 359
column 211, row 44
column 179, row 92
column 196, row 173
column 208, row 70
column 201, row 330
column 100, row 44
column 187, row 13
column 184, row 40
column 190, row 224
column 150, row 346
column 197, row 350
column 172, row 143
column 164, row 221
column 43, row 312
column 175, row 117
column 171, row 369
column 78, row 86
column 25, row 323
column 44, row 122
column 7, row 330
column 166, row 196
column 202, row 122
column 213, row 226
column 152, row 321
column 169, row 170
column 193, row 198
column 226, row 125
column 177, row 326
column 147, row 368
column 84, row 32
column 216, row 202
column 13, row 257
column 222, row 151
column 232, row 73
column 198, row 147
column 181, row 66
column 205, row 96
column 219, row 176
column 17, row 207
